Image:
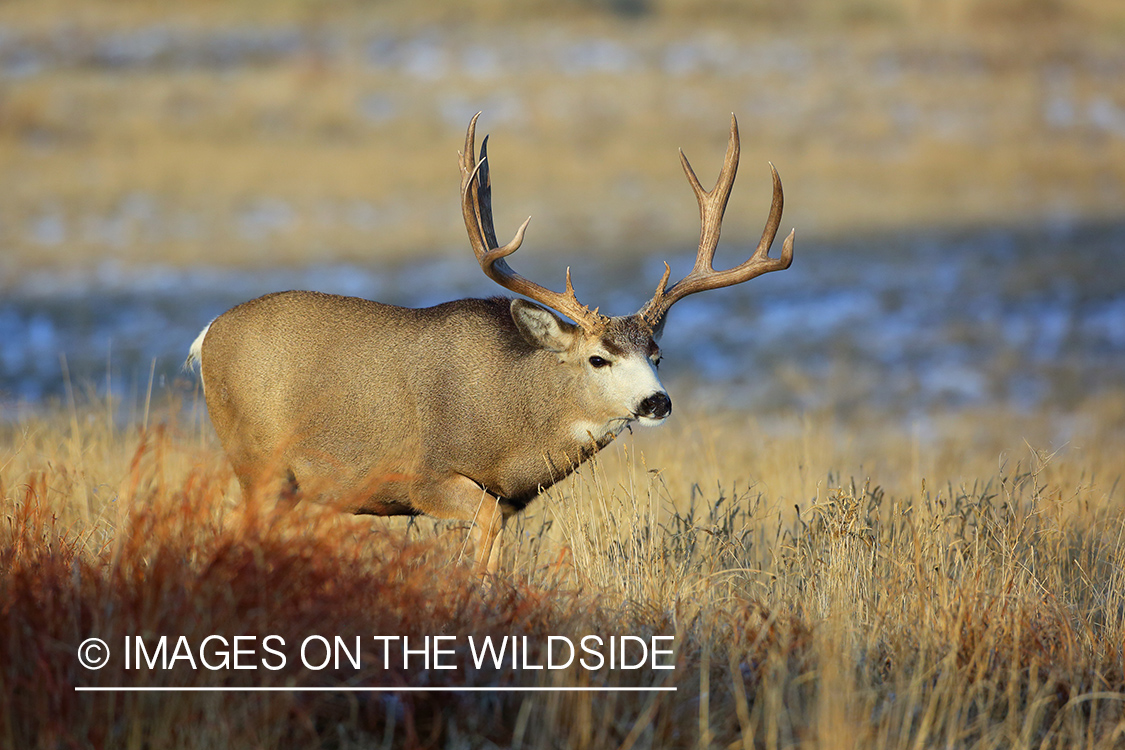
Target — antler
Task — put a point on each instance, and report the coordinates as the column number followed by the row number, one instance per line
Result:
column 476, row 205
column 712, row 204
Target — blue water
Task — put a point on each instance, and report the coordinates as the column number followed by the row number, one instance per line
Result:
column 909, row 323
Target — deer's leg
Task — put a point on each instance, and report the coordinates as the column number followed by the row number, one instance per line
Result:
column 463, row 499
column 493, row 564
column 487, row 526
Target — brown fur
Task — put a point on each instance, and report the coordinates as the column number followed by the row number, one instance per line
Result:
column 388, row 410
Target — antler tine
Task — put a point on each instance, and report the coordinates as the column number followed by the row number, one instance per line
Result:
column 484, row 196
column 773, row 221
column 476, row 204
column 476, row 207
column 713, row 202
column 712, row 206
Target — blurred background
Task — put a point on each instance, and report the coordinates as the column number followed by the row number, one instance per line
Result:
column 955, row 170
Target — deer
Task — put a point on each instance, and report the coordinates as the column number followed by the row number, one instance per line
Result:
column 467, row 410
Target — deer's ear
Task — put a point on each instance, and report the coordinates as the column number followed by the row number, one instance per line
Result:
column 542, row 327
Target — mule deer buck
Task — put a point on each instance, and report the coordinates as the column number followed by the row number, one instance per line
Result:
column 467, row 410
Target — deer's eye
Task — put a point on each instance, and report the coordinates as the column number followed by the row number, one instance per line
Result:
column 599, row 362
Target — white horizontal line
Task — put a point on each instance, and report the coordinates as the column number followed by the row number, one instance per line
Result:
column 442, row 689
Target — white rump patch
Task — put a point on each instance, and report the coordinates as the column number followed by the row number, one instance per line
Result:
column 195, row 353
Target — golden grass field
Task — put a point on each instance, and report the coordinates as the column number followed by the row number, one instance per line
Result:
column 251, row 133
column 838, row 576
column 954, row 583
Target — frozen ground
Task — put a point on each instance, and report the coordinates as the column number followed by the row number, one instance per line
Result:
column 907, row 323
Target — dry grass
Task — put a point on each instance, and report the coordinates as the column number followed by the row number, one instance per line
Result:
column 964, row 590
column 953, row 14
column 339, row 144
column 955, row 582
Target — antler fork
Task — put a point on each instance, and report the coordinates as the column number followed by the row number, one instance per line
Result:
column 476, row 205
column 712, row 205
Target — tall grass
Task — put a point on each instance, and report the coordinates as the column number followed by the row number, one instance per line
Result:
column 828, row 585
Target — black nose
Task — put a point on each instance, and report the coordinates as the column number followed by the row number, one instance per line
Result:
column 658, row 405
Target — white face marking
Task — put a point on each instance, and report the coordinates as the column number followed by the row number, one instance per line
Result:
column 634, row 380
column 587, row 431
column 624, row 384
